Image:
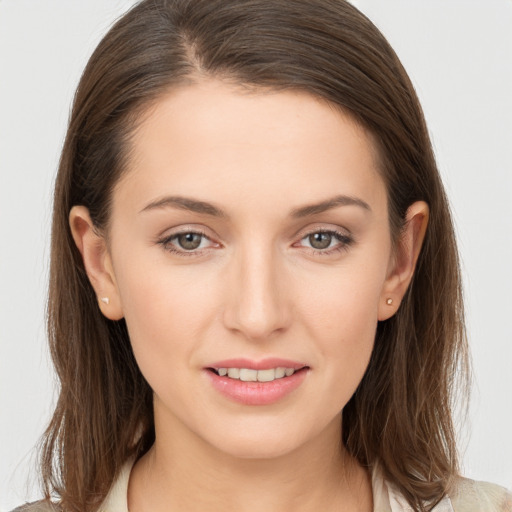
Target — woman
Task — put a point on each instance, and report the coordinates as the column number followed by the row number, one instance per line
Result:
column 253, row 260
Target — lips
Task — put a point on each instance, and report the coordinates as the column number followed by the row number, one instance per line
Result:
column 261, row 382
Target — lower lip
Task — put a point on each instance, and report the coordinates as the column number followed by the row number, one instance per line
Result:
column 257, row 393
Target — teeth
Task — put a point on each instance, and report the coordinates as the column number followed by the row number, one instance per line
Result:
column 249, row 375
column 234, row 373
column 280, row 373
column 266, row 375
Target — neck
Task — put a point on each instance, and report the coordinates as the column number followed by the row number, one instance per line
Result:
column 182, row 472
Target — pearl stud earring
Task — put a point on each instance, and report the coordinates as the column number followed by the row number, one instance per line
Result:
column 105, row 300
column 389, row 301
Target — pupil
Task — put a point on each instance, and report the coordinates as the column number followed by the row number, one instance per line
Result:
column 189, row 241
column 320, row 240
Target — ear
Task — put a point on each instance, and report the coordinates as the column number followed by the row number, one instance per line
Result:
column 97, row 262
column 403, row 261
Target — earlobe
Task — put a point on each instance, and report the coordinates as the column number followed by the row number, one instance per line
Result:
column 97, row 262
column 404, row 259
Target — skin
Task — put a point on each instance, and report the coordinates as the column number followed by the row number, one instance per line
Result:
column 255, row 288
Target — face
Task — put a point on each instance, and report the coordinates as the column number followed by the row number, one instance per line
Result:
column 250, row 235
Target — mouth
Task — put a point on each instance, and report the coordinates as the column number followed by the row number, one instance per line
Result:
column 252, row 382
column 253, row 375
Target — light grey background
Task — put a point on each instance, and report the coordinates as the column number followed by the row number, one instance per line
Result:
column 459, row 55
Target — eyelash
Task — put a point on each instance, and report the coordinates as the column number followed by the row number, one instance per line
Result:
column 166, row 243
column 345, row 242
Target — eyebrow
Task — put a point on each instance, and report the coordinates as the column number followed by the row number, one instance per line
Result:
column 202, row 207
column 329, row 204
column 185, row 203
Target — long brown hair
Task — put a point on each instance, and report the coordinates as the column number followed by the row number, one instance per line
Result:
column 400, row 415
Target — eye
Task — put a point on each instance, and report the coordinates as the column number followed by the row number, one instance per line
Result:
column 326, row 241
column 187, row 243
column 320, row 240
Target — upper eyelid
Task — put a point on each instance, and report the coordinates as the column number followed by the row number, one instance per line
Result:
column 336, row 234
column 322, row 229
column 333, row 232
column 169, row 233
column 172, row 236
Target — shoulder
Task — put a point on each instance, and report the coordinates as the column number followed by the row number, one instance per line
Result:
column 38, row 506
column 465, row 495
column 469, row 496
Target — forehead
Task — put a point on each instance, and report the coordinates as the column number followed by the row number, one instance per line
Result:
column 211, row 138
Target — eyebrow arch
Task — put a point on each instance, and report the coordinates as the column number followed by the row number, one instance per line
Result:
column 202, row 207
column 185, row 203
column 334, row 202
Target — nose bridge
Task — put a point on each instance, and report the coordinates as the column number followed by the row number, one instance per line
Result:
column 257, row 303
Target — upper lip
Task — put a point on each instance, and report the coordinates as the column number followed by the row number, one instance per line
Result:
column 262, row 364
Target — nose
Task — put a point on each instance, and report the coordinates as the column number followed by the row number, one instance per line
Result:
column 257, row 305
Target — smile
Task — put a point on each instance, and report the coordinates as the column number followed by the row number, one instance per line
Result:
column 250, row 382
column 251, row 375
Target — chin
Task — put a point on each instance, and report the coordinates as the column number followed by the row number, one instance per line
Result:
column 264, row 442
column 255, row 449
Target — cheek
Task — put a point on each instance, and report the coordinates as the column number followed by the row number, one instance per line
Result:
column 165, row 309
column 341, row 314
column 345, row 303
column 345, row 331
column 167, row 313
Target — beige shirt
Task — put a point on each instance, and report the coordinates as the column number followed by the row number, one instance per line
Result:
column 469, row 496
